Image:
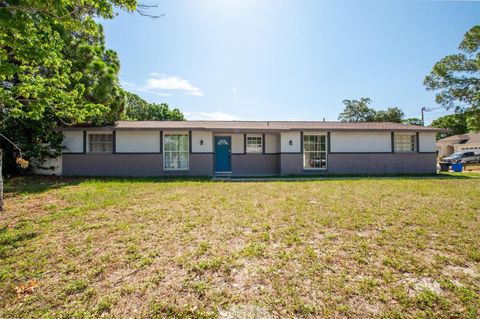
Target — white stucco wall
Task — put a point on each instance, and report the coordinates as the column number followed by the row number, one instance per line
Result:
column 364, row 142
column 138, row 141
column 237, row 141
column 55, row 163
column 427, row 141
column 207, row 138
column 285, row 138
column 73, row 141
column 271, row 143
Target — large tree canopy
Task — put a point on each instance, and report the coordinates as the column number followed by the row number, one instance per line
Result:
column 55, row 70
column 392, row 114
column 359, row 111
column 138, row 109
column 413, row 121
column 456, row 78
column 53, row 59
column 454, row 123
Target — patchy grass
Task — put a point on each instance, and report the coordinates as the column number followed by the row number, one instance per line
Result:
column 364, row 248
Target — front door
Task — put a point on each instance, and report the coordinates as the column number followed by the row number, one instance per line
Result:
column 223, row 147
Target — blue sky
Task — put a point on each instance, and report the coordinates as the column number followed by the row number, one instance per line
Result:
column 287, row 60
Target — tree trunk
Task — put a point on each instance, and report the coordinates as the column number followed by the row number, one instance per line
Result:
column 1, row 181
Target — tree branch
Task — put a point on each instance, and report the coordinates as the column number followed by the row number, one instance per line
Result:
column 10, row 141
column 142, row 10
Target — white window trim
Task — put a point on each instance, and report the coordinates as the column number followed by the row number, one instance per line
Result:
column 98, row 133
column 303, row 152
column 261, row 143
column 395, row 135
column 163, row 152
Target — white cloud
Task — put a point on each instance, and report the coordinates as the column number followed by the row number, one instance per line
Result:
column 210, row 116
column 234, row 89
column 157, row 84
column 134, row 88
column 153, row 92
column 172, row 83
column 126, row 84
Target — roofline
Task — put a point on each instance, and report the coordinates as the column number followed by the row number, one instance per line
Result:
column 236, row 126
column 113, row 128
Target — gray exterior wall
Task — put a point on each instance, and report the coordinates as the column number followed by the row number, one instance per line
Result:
column 364, row 164
column 340, row 160
column 255, row 164
column 144, row 165
column 138, row 165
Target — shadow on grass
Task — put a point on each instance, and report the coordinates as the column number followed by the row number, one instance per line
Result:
column 11, row 238
column 32, row 184
column 35, row 184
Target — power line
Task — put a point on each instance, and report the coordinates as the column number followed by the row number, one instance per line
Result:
column 427, row 109
column 438, row 113
column 434, row 108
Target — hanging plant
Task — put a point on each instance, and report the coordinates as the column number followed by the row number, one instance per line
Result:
column 23, row 163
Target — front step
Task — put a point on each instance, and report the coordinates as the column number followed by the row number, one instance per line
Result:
column 222, row 175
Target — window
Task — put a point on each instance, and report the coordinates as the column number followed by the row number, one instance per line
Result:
column 254, row 144
column 175, row 152
column 404, row 142
column 100, row 143
column 314, row 152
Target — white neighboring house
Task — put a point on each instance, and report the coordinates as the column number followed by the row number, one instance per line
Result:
column 458, row 143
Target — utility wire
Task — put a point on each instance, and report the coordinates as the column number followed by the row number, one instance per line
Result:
column 14, row 145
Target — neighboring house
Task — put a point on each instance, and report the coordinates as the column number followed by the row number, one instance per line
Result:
column 458, row 143
column 242, row 148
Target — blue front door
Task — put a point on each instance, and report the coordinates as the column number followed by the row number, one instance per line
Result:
column 223, row 148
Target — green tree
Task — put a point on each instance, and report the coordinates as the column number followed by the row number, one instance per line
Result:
column 456, row 78
column 98, row 70
column 357, row 111
column 392, row 114
column 413, row 121
column 55, row 70
column 138, row 109
column 454, row 123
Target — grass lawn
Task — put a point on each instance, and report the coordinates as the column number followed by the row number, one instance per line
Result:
column 365, row 248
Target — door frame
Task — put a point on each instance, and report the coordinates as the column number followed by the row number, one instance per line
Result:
column 215, row 153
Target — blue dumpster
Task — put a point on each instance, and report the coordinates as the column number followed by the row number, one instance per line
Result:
column 458, row 167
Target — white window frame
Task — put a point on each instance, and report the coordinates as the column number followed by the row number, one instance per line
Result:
column 89, row 150
column 304, row 152
column 408, row 140
column 257, row 148
column 187, row 151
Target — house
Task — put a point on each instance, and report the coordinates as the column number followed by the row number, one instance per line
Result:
column 458, row 143
column 242, row 148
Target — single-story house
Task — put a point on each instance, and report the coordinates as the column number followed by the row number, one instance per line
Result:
column 243, row 148
column 458, row 143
